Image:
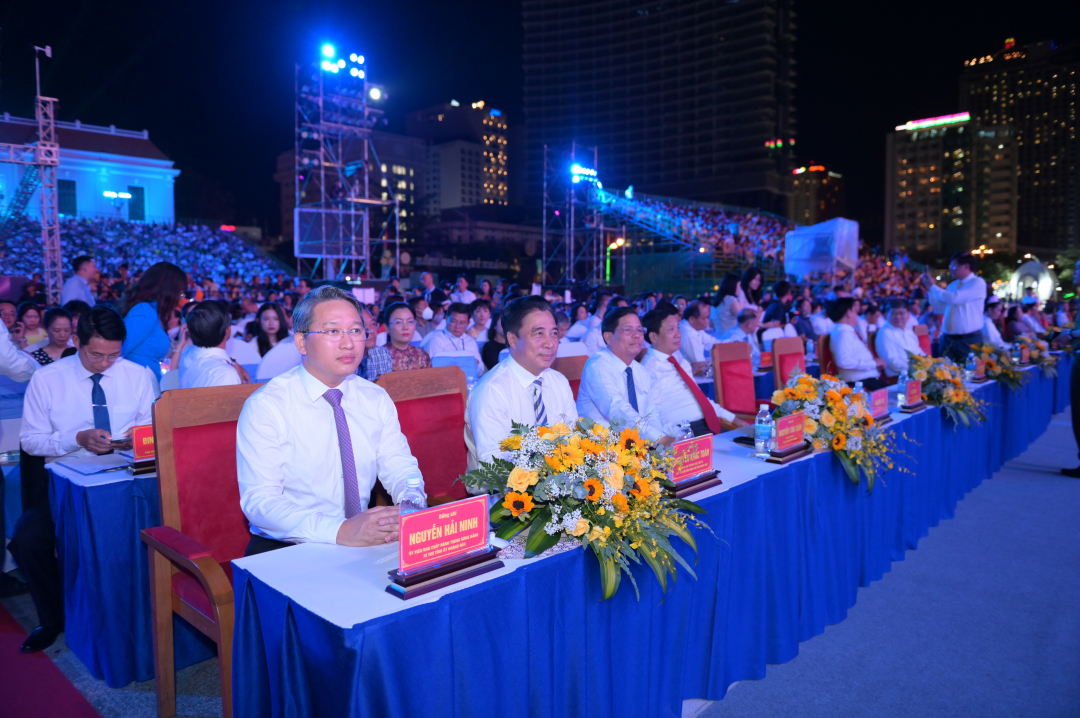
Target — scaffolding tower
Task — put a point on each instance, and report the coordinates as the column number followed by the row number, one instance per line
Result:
column 332, row 218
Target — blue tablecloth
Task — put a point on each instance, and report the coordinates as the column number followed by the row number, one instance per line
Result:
column 11, row 397
column 792, row 548
column 106, row 579
column 1062, row 399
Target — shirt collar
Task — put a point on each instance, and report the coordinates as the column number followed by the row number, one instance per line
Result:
column 658, row 354
column 83, row 373
column 315, row 388
column 523, row 375
column 212, row 352
column 844, row 327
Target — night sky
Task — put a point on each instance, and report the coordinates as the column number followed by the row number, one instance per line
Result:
column 213, row 82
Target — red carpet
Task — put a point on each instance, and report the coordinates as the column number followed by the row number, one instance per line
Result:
column 32, row 685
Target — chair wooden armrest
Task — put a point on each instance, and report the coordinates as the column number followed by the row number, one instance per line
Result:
column 191, row 556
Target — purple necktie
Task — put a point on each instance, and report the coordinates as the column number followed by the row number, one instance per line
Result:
column 348, row 465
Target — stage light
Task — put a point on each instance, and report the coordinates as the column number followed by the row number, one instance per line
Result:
column 353, row 71
column 328, row 50
column 375, row 94
column 576, row 169
column 110, row 194
column 326, row 65
column 612, row 246
column 360, row 59
column 576, row 179
column 352, row 57
column 619, row 241
column 599, row 184
column 341, row 63
column 334, row 69
column 360, row 74
column 124, row 195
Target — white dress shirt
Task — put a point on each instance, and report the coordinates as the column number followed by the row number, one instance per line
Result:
column 696, row 343
column 865, row 327
column 893, row 345
column 1061, row 318
column 822, row 324
column 568, row 348
column 14, row 363
column 505, row 395
column 962, row 305
column 465, row 297
column 593, row 341
column 77, row 288
column 288, row 460
column 445, row 343
column 58, row 404
column 282, row 357
column 671, row 396
column 736, row 334
column 767, row 336
column 1033, row 324
column 577, row 330
column 603, row 395
column 853, row 358
column 991, row 335
column 206, row 366
column 912, row 321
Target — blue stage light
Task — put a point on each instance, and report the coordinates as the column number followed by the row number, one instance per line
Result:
column 360, row 59
column 353, row 71
column 328, row 50
column 577, row 178
column 576, row 169
column 326, row 65
column 352, row 57
column 375, row 93
column 341, row 63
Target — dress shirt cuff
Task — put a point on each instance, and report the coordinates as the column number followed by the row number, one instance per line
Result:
column 723, row 413
column 326, row 529
column 68, row 442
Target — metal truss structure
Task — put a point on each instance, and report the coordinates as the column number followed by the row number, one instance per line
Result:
column 332, row 218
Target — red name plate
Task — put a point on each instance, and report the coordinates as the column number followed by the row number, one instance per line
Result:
column 980, row 369
column 442, row 533
column 766, row 360
column 142, row 440
column 790, row 431
column 879, row 403
column 913, row 393
column 693, row 457
column 1025, row 354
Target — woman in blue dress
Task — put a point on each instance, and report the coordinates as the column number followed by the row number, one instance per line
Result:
column 148, row 308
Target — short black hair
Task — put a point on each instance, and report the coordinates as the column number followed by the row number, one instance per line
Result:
column 101, row 321
column 53, row 314
column 477, row 303
column 393, row 307
column 781, row 288
column 898, row 304
column 516, row 311
column 208, row 323
column 693, row 309
column 79, row 261
column 656, row 316
column 612, row 318
column 413, row 301
column 458, row 308
column 870, row 308
column 837, row 308
column 964, row 258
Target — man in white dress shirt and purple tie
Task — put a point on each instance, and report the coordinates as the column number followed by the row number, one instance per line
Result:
column 310, row 444
column 523, row 388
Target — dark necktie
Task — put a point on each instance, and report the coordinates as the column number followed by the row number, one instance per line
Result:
column 630, row 393
column 538, row 403
column 101, row 409
column 707, row 411
column 348, row 465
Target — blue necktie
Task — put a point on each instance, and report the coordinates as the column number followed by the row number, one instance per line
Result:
column 101, row 409
column 630, row 393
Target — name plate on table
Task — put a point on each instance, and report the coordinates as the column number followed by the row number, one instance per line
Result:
column 879, row 406
column 766, row 360
column 980, row 372
column 1025, row 354
column 913, row 402
column 692, row 470
column 441, row 546
column 142, row 449
column 791, row 440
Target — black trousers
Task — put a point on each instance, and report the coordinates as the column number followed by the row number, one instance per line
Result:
column 1074, row 398
column 33, row 543
column 261, row 544
column 958, row 346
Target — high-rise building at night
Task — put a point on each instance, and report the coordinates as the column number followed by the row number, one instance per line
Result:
column 817, row 194
column 686, row 99
column 950, row 186
column 455, row 134
column 1034, row 90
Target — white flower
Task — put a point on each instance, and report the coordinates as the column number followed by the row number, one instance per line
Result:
column 854, row 443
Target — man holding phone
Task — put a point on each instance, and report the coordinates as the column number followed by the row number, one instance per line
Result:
column 79, row 405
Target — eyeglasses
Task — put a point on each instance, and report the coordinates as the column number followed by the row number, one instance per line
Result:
column 98, row 358
column 337, row 334
column 631, row 331
column 403, row 322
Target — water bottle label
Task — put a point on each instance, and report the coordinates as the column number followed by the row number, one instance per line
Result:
column 763, row 432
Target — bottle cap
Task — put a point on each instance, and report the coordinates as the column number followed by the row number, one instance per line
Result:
column 414, row 481
column 763, row 406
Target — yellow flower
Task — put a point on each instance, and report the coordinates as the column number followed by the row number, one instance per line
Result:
column 560, row 429
column 520, row 479
column 810, row 426
column 544, row 432
column 620, row 503
column 839, row 442
column 594, row 490
column 818, row 444
column 554, row 463
column 599, row 430
column 920, row 375
column 591, row 447
column 511, row 443
column 518, row 503
column 827, row 419
column 630, row 440
column 613, row 475
column 641, row 490
column 580, row 527
column 597, row 534
column 778, row 396
column 570, row 454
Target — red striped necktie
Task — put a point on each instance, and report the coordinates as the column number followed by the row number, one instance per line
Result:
column 711, row 419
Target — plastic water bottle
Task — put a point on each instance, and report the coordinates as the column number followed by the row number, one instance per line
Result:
column 413, row 499
column 810, row 350
column 970, row 367
column 683, row 431
column 901, row 385
column 860, row 392
column 1016, row 352
column 763, row 429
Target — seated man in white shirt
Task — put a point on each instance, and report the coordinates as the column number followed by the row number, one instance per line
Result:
column 206, row 363
column 453, row 340
column 568, row 347
column 599, row 308
column 697, row 343
column 854, row 362
column 819, row 320
column 74, row 406
column 991, row 317
column 462, row 295
column 523, row 389
column 594, row 338
column 675, row 393
column 872, row 320
column 745, row 330
column 311, row 442
column 896, row 340
column 614, row 386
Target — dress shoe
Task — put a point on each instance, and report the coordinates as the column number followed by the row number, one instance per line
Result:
column 41, row 638
column 1072, row 473
column 11, row 586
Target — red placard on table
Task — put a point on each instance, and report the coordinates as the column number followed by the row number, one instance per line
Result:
column 879, row 403
column 766, row 360
column 980, row 369
column 790, row 432
column 142, row 442
column 913, row 393
column 442, row 533
column 692, row 457
column 1025, row 353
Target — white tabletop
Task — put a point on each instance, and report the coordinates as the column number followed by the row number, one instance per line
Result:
column 99, row 479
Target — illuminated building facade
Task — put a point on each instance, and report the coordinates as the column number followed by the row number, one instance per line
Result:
column 1034, row 89
column 104, row 172
column 817, row 194
column 458, row 135
column 682, row 99
column 950, row 186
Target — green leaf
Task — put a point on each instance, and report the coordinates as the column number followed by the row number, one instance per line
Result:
column 510, row 529
column 688, row 506
column 540, row 540
column 850, row 467
column 610, row 575
column 656, row 566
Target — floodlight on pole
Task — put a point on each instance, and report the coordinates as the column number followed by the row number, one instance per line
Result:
column 328, row 50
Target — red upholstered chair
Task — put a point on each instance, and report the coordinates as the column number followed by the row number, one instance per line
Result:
column 571, row 368
column 733, row 372
column 825, row 355
column 922, row 333
column 871, row 341
column 431, row 409
column 789, row 353
column 202, row 529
